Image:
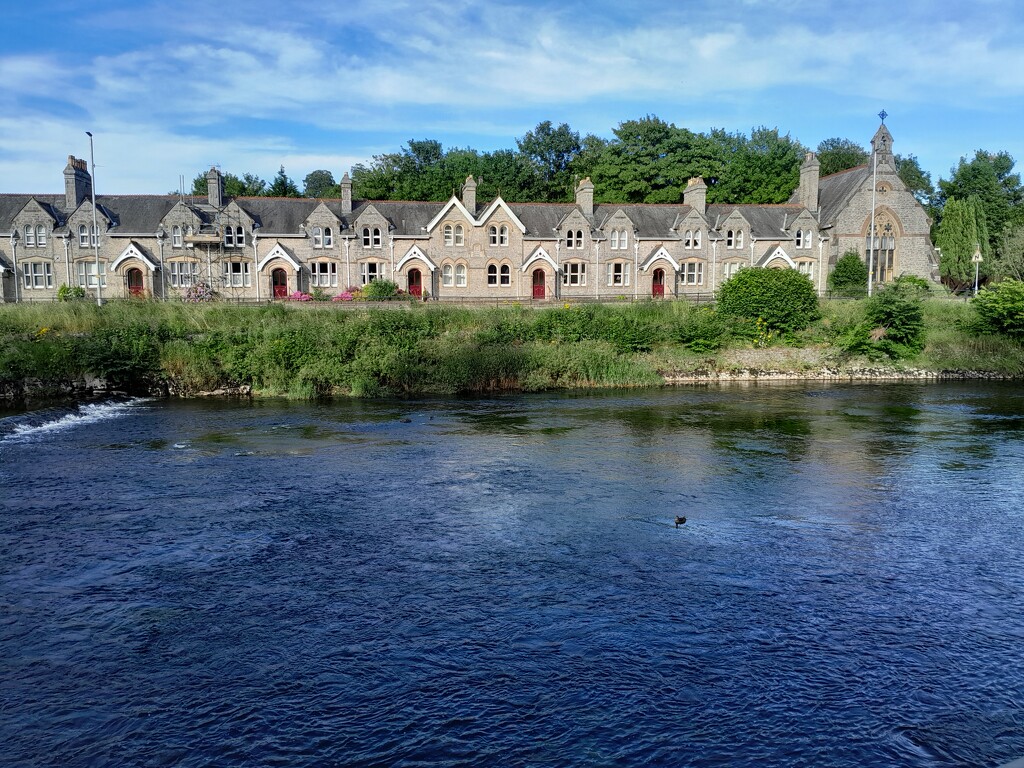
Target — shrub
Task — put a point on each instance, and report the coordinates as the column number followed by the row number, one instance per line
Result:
column 126, row 356
column 70, row 292
column 702, row 330
column 1000, row 307
column 380, row 290
column 894, row 325
column 850, row 276
column 783, row 299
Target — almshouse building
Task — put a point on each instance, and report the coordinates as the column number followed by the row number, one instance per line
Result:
column 268, row 248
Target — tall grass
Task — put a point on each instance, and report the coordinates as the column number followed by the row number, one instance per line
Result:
column 319, row 351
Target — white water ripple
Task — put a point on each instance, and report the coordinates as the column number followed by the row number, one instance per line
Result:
column 83, row 415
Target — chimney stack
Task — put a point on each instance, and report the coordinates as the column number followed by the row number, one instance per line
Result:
column 585, row 197
column 809, row 174
column 77, row 183
column 215, row 188
column 346, row 193
column 469, row 195
column 696, row 195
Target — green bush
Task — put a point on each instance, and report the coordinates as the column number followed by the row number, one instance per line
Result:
column 894, row 325
column 1000, row 308
column 126, row 356
column 850, row 276
column 702, row 330
column 70, row 292
column 783, row 299
column 380, row 290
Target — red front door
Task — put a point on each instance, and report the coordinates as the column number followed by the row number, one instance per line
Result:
column 135, row 284
column 280, row 281
column 538, row 283
column 415, row 282
column 658, row 288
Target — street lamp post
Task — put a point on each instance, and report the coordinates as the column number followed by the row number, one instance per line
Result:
column 95, row 232
column 976, row 258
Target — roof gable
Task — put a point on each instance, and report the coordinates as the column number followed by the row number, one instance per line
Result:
column 454, row 202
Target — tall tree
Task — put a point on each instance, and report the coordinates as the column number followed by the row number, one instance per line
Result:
column 764, row 169
column 957, row 238
column 552, row 152
column 837, row 154
column 989, row 176
column 320, row 183
column 282, row 186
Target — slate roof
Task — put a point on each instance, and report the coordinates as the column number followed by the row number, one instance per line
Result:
column 835, row 191
column 766, row 221
column 277, row 215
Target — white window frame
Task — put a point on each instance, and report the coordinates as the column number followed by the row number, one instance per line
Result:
column 318, row 237
column 370, row 271
column 229, row 236
column 30, row 236
column 696, row 238
column 83, row 236
column 328, row 238
column 492, row 274
column 176, row 236
column 624, row 241
column 614, row 240
column 461, row 278
column 618, row 274
column 236, row 274
column 184, row 273
column 574, row 273
column 806, row 268
column 40, row 236
column 505, row 275
column 448, row 275
column 87, row 274
column 692, row 273
column 366, row 237
column 376, row 237
column 503, row 236
column 730, row 239
column 323, row 274
column 460, row 235
column 449, row 234
column 492, row 234
column 739, row 238
column 570, row 239
column 38, row 275
column 730, row 268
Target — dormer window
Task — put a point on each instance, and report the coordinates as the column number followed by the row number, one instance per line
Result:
column 739, row 238
column 449, row 234
column 696, row 238
column 493, row 234
column 30, row 236
column 460, row 235
column 41, row 236
column 83, row 236
column 328, row 238
column 229, row 237
column 503, row 235
column 371, row 237
column 619, row 240
column 239, row 237
column 574, row 239
column 176, row 236
column 799, row 239
column 318, row 237
column 614, row 240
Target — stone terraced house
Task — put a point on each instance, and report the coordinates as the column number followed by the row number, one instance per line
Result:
column 263, row 249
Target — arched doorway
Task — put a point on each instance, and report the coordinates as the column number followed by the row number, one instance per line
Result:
column 415, row 282
column 136, row 287
column 658, row 286
column 538, row 283
column 279, row 279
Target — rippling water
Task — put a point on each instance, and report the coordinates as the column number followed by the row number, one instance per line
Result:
column 500, row 582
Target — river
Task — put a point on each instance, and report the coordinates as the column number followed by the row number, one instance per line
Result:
column 501, row 582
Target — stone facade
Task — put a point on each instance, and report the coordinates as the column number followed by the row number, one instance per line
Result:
column 462, row 249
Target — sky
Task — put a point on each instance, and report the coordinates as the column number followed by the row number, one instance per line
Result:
column 171, row 89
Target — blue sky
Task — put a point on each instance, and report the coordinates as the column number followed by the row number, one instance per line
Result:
column 170, row 89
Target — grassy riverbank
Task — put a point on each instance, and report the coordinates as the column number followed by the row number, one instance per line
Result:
column 308, row 351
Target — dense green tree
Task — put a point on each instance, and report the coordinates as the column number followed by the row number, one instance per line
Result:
column 650, row 161
column 764, row 169
column 990, row 177
column 1009, row 261
column 509, row 174
column 1001, row 308
column 249, row 185
column 320, row 183
column 552, row 152
column 957, row 238
column 850, row 276
column 837, row 154
column 282, row 186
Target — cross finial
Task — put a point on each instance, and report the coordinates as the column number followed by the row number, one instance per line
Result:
column 883, row 114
